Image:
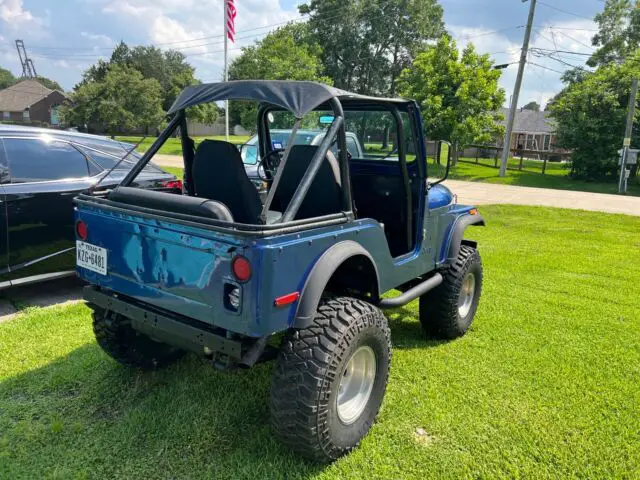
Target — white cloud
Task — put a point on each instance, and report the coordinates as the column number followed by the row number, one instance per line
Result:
column 485, row 41
column 61, row 64
column 196, row 27
column 98, row 38
column 124, row 7
column 13, row 13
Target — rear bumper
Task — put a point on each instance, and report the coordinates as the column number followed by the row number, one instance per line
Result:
column 164, row 326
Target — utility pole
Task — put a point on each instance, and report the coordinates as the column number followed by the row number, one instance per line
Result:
column 622, row 184
column 516, row 91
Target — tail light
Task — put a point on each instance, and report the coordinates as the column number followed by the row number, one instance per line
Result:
column 81, row 230
column 173, row 185
column 241, row 268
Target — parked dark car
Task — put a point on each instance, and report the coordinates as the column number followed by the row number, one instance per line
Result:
column 41, row 171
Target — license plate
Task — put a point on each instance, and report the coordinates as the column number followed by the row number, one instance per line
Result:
column 91, row 257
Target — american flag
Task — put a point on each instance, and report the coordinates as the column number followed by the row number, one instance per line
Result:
column 230, row 12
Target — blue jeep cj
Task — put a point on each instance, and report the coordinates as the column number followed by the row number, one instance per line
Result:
column 301, row 276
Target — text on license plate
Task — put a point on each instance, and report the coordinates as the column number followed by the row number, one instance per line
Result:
column 91, row 257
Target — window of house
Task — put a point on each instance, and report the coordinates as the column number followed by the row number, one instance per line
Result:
column 6, row 115
column 26, row 116
column 37, row 160
column 547, row 142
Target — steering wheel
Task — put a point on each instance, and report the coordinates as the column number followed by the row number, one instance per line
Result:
column 268, row 165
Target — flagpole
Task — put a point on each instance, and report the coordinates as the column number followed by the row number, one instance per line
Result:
column 226, row 69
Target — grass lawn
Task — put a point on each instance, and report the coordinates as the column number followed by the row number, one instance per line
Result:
column 555, row 177
column 173, row 147
column 545, row 384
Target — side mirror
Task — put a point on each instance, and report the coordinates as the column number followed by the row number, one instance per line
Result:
column 443, row 156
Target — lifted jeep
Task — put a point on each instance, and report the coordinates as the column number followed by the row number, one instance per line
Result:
column 218, row 272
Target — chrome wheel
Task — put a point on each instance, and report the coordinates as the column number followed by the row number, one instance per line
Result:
column 356, row 384
column 467, row 292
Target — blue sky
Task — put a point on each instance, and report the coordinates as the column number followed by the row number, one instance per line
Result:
column 65, row 36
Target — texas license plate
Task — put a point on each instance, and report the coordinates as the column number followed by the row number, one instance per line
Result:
column 91, row 257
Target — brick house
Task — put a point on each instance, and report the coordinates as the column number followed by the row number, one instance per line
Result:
column 531, row 131
column 29, row 101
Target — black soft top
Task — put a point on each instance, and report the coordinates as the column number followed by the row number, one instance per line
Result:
column 298, row 97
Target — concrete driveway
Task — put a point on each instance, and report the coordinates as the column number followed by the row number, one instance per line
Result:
column 45, row 294
column 477, row 193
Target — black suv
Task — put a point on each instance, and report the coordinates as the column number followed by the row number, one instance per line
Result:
column 41, row 171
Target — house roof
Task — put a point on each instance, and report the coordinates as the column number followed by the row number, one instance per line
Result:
column 528, row 121
column 22, row 95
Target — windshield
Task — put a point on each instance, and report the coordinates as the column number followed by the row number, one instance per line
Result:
column 279, row 140
column 370, row 135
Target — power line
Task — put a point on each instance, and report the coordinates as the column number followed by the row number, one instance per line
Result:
column 75, row 52
column 567, row 28
column 483, row 34
column 564, row 11
column 330, row 16
column 570, row 52
column 577, row 41
column 180, row 41
column 546, row 68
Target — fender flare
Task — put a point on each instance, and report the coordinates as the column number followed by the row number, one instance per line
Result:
column 458, row 233
column 320, row 275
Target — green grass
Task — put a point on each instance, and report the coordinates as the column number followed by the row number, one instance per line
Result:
column 544, row 385
column 555, row 177
column 173, row 147
column 177, row 171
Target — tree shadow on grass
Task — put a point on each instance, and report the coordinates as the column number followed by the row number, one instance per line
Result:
column 85, row 416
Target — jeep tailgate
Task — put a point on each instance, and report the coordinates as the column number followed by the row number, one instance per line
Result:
column 180, row 268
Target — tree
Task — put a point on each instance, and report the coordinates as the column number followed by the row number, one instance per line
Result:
column 206, row 113
column 51, row 84
column 6, row 78
column 591, row 115
column 533, row 106
column 618, row 32
column 366, row 44
column 122, row 101
column 284, row 54
column 459, row 95
column 168, row 67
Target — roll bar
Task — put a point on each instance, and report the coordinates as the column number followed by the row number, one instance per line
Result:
column 155, row 146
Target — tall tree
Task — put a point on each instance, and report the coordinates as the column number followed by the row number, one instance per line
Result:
column 168, row 67
column 533, row 106
column 591, row 115
column 618, row 32
column 284, row 54
column 122, row 100
column 458, row 93
column 368, row 43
